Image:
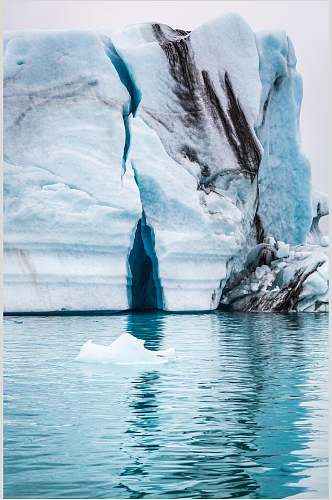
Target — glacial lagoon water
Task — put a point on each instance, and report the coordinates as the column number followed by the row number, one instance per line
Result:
column 243, row 413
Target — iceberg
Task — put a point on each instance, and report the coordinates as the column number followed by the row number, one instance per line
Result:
column 144, row 167
column 125, row 350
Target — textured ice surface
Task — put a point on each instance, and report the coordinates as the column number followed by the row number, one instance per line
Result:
column 194, row 150
column 185, row 81
column 191, row 245
column 69, row 215
column 284, row 173
column 141, row 167
column 280, row 278
column 320, row 208
column 125, row 350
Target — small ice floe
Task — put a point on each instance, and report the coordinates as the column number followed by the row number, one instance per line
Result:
column 125, row 350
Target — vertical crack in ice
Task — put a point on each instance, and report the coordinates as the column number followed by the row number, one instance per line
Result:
column 260, row 234
column 134, row 94
column 126, row 123
column 144, row 289
column 124, row 74
column 257, row 221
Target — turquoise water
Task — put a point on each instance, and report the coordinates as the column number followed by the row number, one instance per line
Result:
column 243, row 413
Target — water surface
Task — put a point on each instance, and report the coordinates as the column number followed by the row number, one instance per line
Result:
column 243, row 413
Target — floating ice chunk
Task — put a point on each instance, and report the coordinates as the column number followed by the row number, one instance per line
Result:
column 125, row 350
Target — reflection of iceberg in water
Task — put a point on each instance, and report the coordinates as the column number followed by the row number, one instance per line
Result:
column 235, row 415
column 279, row 365
column 142, row 433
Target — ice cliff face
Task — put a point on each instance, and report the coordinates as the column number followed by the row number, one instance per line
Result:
column 70, row 215
column 141, row 167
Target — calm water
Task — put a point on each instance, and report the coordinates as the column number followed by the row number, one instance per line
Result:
column 242, row 414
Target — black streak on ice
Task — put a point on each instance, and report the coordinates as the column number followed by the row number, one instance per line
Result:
column 198, row 98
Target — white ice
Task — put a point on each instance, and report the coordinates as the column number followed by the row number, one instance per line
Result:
column 125, row 350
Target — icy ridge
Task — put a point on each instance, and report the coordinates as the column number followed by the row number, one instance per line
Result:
column 284, row 173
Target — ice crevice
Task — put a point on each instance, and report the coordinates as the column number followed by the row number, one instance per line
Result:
column 144, row 285
column 144, row 288
column 127, row 80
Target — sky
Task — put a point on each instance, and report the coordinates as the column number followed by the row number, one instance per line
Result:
column 305, row 21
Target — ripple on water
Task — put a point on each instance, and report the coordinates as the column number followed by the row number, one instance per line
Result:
column 242, row 414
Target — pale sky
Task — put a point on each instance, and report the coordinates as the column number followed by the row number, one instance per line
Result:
column 305, row 21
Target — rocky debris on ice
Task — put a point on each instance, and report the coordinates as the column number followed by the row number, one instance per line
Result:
column 280, row 277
